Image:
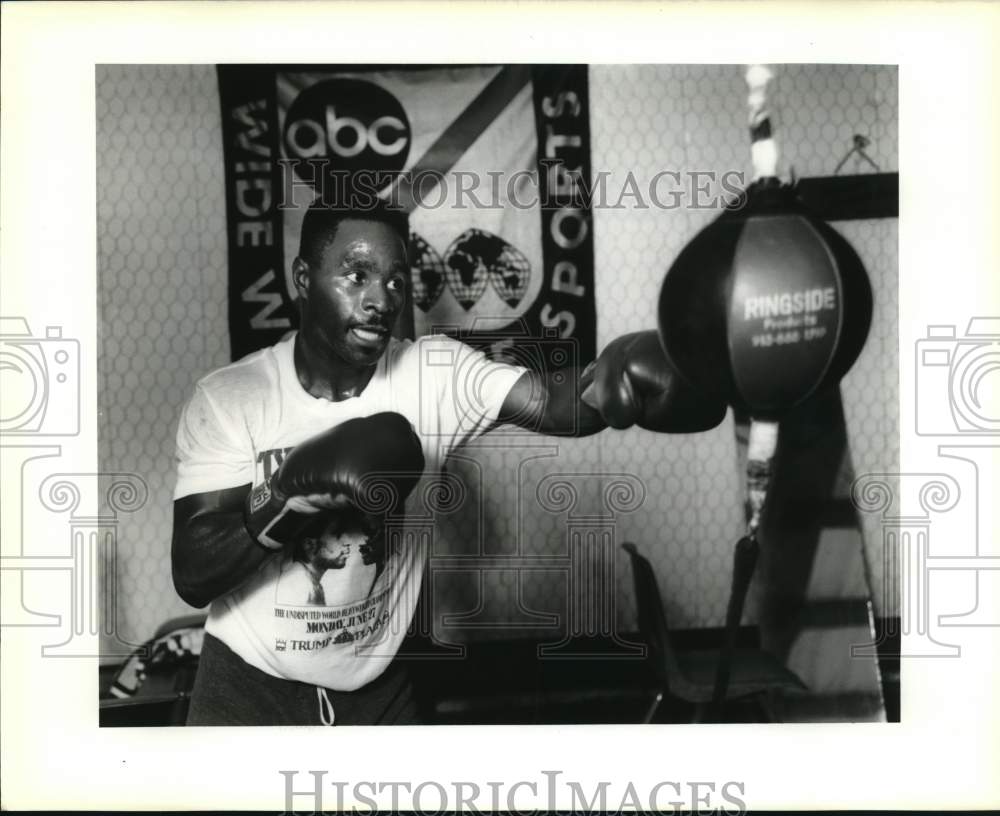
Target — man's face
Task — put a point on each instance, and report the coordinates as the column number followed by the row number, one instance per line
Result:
column 333, row 551
column 353, row 295
column 346, row 531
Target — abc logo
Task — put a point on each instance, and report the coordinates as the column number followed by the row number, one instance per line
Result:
column 348, row 125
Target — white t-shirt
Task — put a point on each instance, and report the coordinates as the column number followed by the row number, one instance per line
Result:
column 334, row 610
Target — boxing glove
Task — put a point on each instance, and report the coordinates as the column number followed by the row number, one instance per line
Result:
column 370, row 464
column 633, row 383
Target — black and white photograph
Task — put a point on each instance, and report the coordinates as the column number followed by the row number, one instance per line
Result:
column 521, row 394
column 541, row 397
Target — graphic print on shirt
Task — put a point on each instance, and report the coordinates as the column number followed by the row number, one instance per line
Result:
column 328, row 591
column 325, row 591
column 336, row 567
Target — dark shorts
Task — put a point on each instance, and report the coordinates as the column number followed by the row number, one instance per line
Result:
column 229, row 691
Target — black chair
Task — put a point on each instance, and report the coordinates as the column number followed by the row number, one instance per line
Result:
column 690, row 676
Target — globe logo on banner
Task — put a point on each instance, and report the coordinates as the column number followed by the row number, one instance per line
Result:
column 427, row 270
column 475, row 259
column 342, row 126
column 478, row 257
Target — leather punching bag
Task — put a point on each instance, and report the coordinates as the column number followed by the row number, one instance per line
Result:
column 765, row 306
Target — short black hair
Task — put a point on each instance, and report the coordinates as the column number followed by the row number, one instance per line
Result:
column 319, row 227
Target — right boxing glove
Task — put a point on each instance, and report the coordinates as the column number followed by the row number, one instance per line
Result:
column 371, row 463
column 633, row 383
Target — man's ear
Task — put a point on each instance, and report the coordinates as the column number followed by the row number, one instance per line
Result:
column 300, row 277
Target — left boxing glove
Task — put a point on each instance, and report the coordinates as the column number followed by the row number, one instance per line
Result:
column 370, row 463
column 632, row 383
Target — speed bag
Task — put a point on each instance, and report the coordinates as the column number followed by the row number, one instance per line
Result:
column 765, row 306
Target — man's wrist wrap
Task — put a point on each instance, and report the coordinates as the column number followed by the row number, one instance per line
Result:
column 271, row 522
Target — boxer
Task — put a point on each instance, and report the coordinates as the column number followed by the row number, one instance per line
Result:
column 341, row 416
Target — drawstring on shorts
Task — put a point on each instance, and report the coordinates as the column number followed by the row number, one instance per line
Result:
column 326, row 712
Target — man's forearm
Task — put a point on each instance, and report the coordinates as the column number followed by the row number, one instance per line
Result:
column 212, row 551
column 550, row 404
column 565, row 413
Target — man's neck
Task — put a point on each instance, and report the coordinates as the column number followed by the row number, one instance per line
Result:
column 328, row 379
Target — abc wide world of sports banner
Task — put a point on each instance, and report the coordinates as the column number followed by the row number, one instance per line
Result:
column 490, row 163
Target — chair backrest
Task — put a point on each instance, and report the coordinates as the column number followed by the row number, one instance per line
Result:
column 653, row 619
